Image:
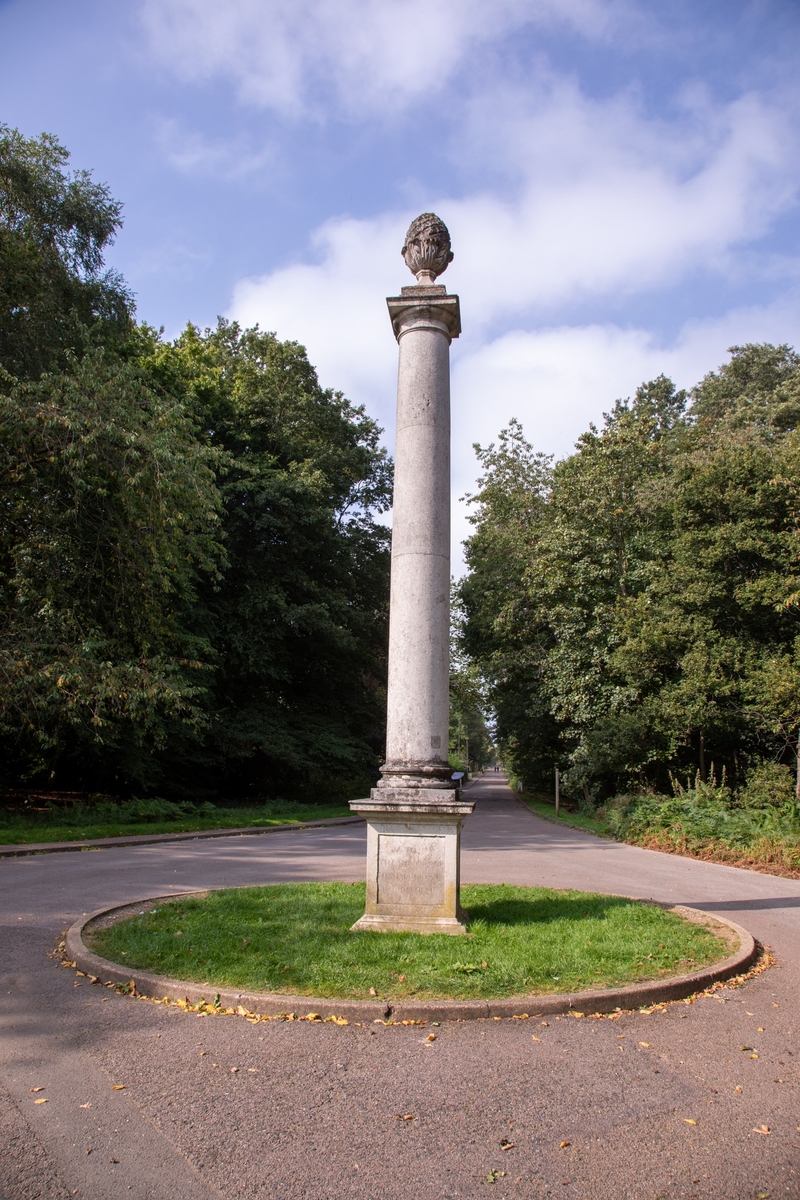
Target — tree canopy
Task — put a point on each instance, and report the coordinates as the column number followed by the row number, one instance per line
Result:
column 634, row 608
column 193, row 585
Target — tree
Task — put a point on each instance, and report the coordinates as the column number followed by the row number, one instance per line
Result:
column 193, row 585
column 54, row 227
column 299, row 618
column 657, row 580
column 110, row 518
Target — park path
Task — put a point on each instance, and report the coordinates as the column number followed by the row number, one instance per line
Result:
column 660, row 1106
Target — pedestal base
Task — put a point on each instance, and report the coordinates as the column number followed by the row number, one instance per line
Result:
column 413, row 862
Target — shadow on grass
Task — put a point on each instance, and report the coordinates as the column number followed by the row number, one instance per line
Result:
column 542, row 910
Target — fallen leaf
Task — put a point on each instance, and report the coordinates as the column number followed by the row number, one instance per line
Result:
column 738, row 1088
column 89, row 1105
column 746, row 1048
column 234, row 1070
column 41, row 1100
column 118, row 1087
column 401, row 978
column 761, row 1029
column 252, row 1070
column 405, row 1117
column 754, row 1056
column 765, row 1129
column 372, row 992
column 203, row 1053
column 493, row 1176
column 563, row 1145
column 534, row 1038
column 39, row 1089
column 689, row 1121
column 645, row 1044
column 545, row 1023
column 505, row 1144
column 431, row 1037
column 89, row 1151
column 114, row 1160
column 763, row 1195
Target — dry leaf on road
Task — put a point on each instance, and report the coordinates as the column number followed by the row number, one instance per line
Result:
column 41, row 1100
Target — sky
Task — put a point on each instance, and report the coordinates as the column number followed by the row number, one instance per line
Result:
column 621, row 181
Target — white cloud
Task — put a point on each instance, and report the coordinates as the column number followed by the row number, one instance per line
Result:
column 374, row 54
column 611, row 205
column 589, row 201
column 192, row 152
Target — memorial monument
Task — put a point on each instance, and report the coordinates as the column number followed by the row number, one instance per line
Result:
column 414, row 815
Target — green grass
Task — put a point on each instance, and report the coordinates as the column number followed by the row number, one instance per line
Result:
column 578, row 820
column 295, row 938
column 19, row 830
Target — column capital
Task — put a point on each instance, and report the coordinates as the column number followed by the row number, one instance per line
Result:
column 426, row 304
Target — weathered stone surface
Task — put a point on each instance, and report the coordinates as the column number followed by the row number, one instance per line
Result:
column 413, row 868
column 414, row 815
column 426, row 249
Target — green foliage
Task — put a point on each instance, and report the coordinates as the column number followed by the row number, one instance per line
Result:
column 102, row 816
column 54, row 227
column 110, row 517
column 298, row 619
column 642, row 619
column 296, row 938
column 193, row 586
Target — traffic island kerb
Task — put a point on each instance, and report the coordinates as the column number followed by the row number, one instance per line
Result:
column 272, row 1004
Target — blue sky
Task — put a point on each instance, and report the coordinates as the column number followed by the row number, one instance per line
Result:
column 620, row 180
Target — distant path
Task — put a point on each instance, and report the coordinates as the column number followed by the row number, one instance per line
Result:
column 315, row 1118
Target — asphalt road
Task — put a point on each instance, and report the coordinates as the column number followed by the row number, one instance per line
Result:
column 645, row 1107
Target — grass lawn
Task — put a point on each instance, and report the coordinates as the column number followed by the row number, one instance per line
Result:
column 578, row 820
column 19, row 831
column 295, row 938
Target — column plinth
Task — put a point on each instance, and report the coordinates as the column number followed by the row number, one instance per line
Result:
column 414, row 814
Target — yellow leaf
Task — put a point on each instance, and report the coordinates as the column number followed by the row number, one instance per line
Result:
column 645, row 1044
column 765, row 1129
column 41, row 1100
column 689, row 1121
column 431, row 1037
column 534, row 1038
column 39, row 1089
column 118, row 1087
column 563, row 1145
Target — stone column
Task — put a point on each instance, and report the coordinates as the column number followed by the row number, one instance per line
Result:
column 414, row 815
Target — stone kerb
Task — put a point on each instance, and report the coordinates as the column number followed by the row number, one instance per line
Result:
column 607, row 1000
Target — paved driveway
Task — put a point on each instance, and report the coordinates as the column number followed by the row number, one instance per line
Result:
column 665, row 1105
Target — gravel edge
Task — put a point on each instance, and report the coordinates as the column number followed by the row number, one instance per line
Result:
column 608, row 1000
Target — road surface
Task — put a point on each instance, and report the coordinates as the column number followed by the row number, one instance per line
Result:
column 661, row 1107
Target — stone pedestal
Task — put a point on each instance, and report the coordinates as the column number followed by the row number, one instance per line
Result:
column 414, row 815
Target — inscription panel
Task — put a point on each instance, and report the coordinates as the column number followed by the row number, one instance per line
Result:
column 411, row 870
